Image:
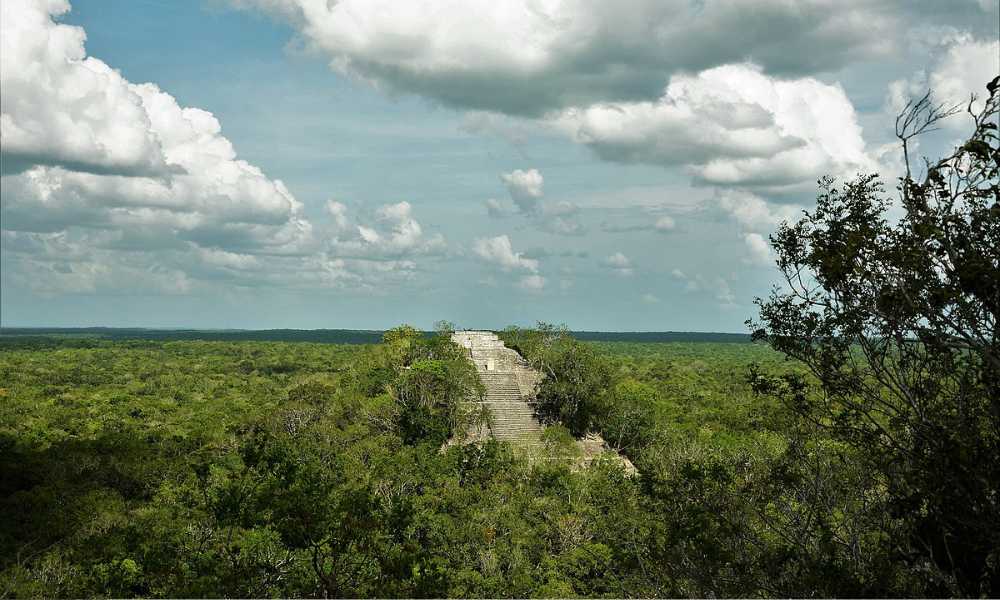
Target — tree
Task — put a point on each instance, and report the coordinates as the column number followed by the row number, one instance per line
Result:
column 429, row 394
column 627, row 418
column 576, row 375
column 899, row 323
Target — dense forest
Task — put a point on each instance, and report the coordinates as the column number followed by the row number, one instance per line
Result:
column 260, row 469
column 850, row 451
column 275, row 469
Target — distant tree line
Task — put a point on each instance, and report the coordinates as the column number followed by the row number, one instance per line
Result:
column 337, row 336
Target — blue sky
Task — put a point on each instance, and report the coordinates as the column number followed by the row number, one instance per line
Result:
column 481, row 166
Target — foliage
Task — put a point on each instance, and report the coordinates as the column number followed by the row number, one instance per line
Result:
column 627, row 415
column 156, row 468
column 575, row 375
column 147, row 468
column 899, row 324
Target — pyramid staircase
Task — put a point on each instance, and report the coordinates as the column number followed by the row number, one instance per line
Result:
column 510, row 388
column 512, row 415
column 511, row 385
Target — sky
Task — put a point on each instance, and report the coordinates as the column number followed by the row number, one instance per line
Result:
column 365, row 163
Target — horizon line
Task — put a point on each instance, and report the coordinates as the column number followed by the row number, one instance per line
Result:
column 244, row 329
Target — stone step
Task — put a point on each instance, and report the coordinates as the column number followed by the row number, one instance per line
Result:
column 510, row 408
column 526, row 420
column 511, row 422
column 510, row 425
column 512, row 417
column 520, row 415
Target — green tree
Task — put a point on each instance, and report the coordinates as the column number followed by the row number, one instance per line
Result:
column 576, row 376
column 627, row 416
column 429, row 393
column 899, row 323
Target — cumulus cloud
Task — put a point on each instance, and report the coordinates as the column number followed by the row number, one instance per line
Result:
column 393, row 233
column 717, row 287
column 664, row 224
column 112, row 186
column 732, row 126
column 48, row 264
column 498, row 251
column 758, row 250
column 619, row 263
column 756, row 218
column 960, row 66
column 95, row 138
column 83, row 147
column 338, row 213
column 561, row 226
column 531, row 283
column 650, row 299
column 529, row 57
column 87, row 261
column 496, row 210
column 963, row 70
column 751, row 212
column 63, row 108
column 525, row 189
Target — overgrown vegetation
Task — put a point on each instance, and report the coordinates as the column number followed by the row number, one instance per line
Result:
column 256, row 469
column 899, row 323
column 865, row 466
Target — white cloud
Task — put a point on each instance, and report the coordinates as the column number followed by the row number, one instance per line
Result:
column 531, row 283
column 731, row 126
column 960, row 66
column 717, row 287
column 393, row 234
column 965, row 69
column 496, row 210
column 619, row 263
column 531, row 56
column 525, row 188
column 219, row 201
column 61, row 107
column 338, row 212
column 562, row 208
column 498, row 251
column 526, row 191
column 50, row 264
column 758, row 250
column 113, row 187
column 84, row 140
column 85, row 261
column 753, row 213
column 650, row 299
column 756, row 217
column 665, row 224
column 395, row 213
